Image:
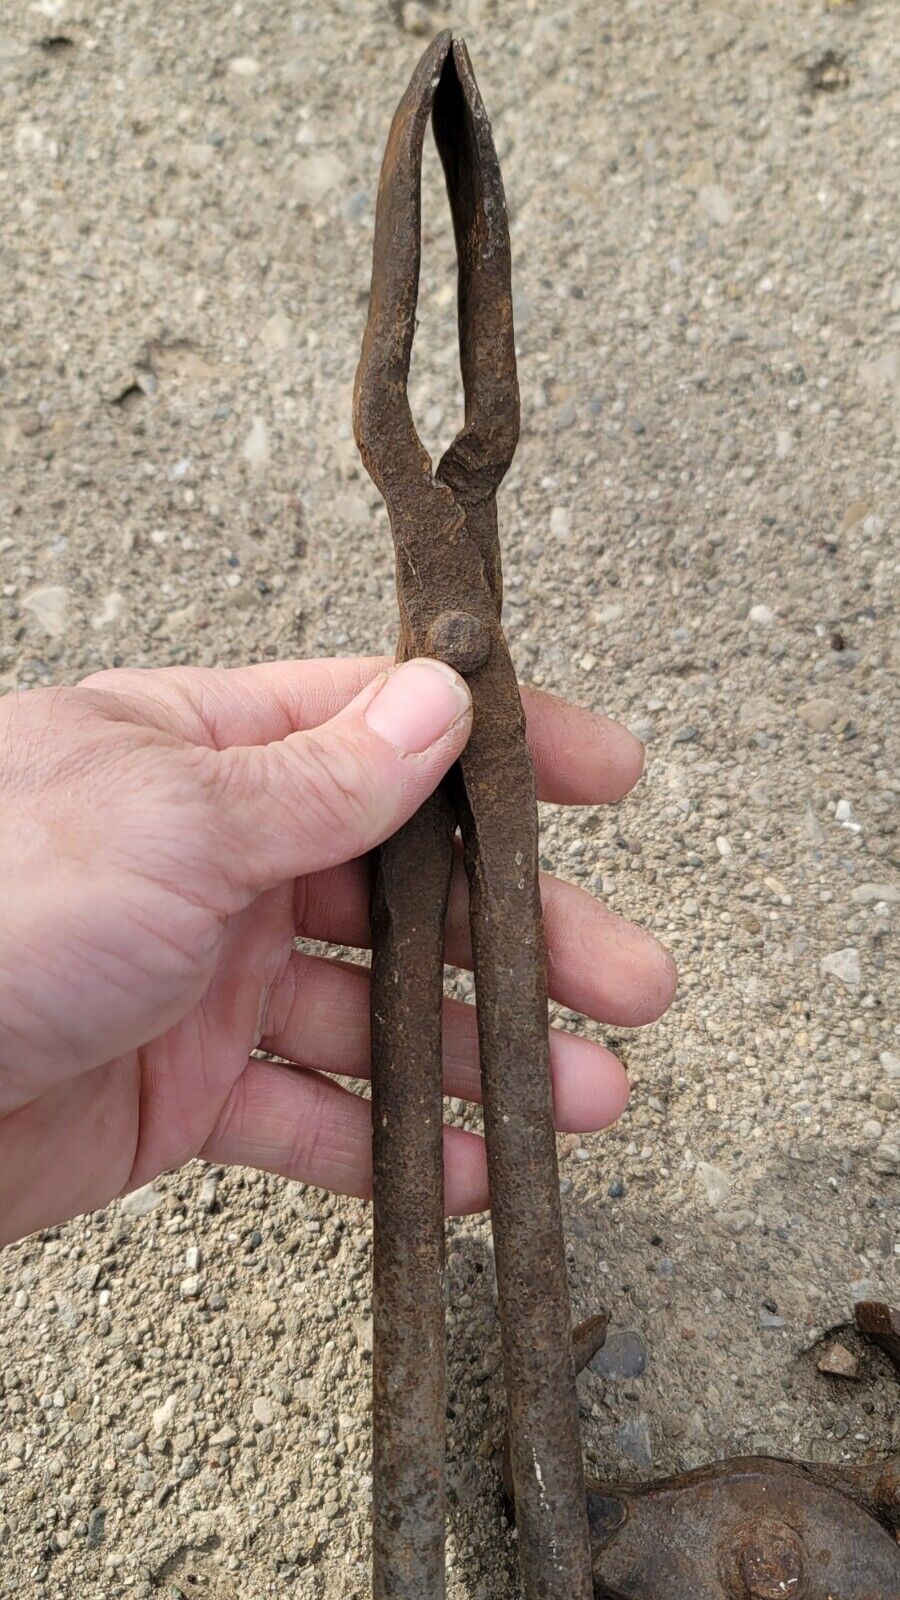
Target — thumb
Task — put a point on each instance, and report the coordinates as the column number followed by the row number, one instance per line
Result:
column 331, row 793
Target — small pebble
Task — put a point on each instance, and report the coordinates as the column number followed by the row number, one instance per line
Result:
column 417, row 19
column 96, row 1527
column 113, row 610
column 716, row 203
column 713, row 1183
column 623, row 1355
column 560, row 522
column 843, row 965
column 770, row 1319
column 163, row 1414
column 224, row 1437
column 278, row 332
column 887, row 1158
column 256, row 445
column 839, row 1361
column 819, row 714
column 141, row 1201
column 49, row 607
column 262, row 1409
column 633, row 1440
column 869, row 894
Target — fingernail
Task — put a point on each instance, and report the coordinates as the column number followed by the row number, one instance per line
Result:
column 420, row 701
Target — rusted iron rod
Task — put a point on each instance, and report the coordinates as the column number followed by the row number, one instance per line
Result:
column 409, row 899
column 444, row 526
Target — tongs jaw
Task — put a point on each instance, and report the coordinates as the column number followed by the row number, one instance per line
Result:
column 444, row 526
column 443, row 87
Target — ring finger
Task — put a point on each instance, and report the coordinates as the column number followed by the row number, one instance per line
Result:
column 319, row 1017
column 598, row 964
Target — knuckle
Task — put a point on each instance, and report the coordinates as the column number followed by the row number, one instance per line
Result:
column 336, row 794
column 667, row 979
column 309, row 1135
column 283, row 1001
column 114, row 680
column 45, row 736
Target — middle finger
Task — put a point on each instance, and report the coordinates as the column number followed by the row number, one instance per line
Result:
column 319, row 1017
column 597, row 963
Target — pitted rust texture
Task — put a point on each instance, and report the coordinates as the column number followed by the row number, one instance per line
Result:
column 752, row 1528
column 444, row 526
column 881, row 1324
column 409, row 898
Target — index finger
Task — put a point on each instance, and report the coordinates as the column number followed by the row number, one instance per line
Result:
column 580, row 757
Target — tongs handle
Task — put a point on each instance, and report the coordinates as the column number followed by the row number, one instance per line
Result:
column 498, row 816
column 410, row 884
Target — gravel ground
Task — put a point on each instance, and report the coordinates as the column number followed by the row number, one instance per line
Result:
column 697, row 533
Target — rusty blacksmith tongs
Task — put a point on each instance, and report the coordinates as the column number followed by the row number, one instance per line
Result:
column 444, row 526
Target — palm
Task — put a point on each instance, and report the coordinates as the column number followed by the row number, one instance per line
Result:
column 180, row 1090
column 161, row 943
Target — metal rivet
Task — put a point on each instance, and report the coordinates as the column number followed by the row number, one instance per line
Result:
column 460, row 639
column 769, row 1563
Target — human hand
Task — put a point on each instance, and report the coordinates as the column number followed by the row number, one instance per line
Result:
column 164, row 837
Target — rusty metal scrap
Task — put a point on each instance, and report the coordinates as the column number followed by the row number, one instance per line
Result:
column 752, row 1528
column 444, row 526
column 881, row 1324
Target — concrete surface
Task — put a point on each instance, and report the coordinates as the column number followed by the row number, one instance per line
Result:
column 698, row 535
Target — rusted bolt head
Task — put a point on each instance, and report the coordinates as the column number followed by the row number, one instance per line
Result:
column 459, row 639
column 767, row 1564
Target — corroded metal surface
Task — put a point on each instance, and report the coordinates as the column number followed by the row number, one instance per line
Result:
column 755, row 1528
column 444, row 526
column 409, row 1401
column 881, row 1324
column 752, row 1528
